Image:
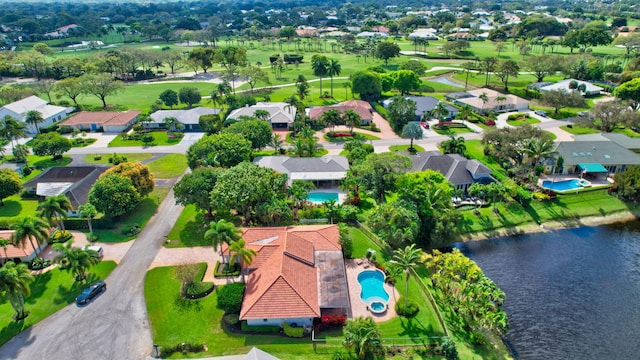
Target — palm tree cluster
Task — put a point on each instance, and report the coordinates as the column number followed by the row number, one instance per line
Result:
column 75, row 260
column 224, row 232
column 305, row 144
column 473, row 298
column 334, row 117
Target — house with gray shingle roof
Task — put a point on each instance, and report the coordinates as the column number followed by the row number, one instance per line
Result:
column 190, row 118
column 322, row 171
column 281, row 115
column 579, row 156
column 623, row 140
column 459, row 171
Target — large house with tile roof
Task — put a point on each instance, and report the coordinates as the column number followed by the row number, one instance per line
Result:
column 297, row 275
column 361, row 107
column 107, row 121
column 459, row 171
column 190, row 118
column 281, row 115
column 20, row 252
column 50, row 113
column 494, row 101
column 323, row 171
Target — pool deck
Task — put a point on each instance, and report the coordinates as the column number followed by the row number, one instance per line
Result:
column 358, row 307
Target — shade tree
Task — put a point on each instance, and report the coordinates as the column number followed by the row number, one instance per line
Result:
column 139, row 174
column 52, row 144
column 194, row 188
column 258, row 132
column 400, row 111
column 561, row 98
column 114, row 195
column 101, row 85
column 219, row 150
column 367, row 84
column 169, row 98
column 10, row 184
column 378, row 173
column 189, row 96
column 412, row 131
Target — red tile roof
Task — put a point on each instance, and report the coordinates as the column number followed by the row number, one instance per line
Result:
column 12, row 250
column 102, row 118
column 285, row 282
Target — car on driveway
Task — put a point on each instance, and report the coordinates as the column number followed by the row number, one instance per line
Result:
column 540, row 113
column 91, row 292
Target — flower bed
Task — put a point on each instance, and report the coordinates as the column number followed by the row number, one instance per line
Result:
column 449, row 124
column 335, row 134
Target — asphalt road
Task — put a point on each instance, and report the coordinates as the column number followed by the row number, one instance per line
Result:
column 115, row 325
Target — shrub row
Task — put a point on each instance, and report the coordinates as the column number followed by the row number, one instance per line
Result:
column 81, row 224
column 259, row 329
column 183, row 348
column 449, row 124
column 197, row 290
column 60, row 236
column 329, row 321
column 293, row 331
column 517, row 116
column 224, row 270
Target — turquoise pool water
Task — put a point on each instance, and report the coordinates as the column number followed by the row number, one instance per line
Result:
column 565, row 185
column 320, row 197
column 372, row 283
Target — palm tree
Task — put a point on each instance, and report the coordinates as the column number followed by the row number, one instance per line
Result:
column 170, row 123
column 319, row 65
column 331, row 118
column 406, row 259
column 75, row 260
column 261, row 115
column 14, row 282
column 412, row 131
column 55, row 208
column 441, row 111
column 465, row 112
column 363, row 336
column 34, row 117
column 88, row 211
column 333, row 69
column 242, row 253
column 538, row 148
column 11, row 129
column 351, row 119
column 455, row 145
column 29, row 229
column 3, row 245
column 20, row 153
column 276, row 143
column 222, row 232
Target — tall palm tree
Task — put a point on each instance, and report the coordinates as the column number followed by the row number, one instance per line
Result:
column 351, row 119
column 55, row 208
column 75, row 260
column 455, row 145
column 88, row 211
column 222, row 232
column 406, row 259
column 331, row 118
column 241, row 252
column 538, row 148
column 333, row 69
column 29, row 229
column 319, row 65
column 363, row 336
column 11, row 129
column 14, row 282
column 34, row 117
column 3, row 245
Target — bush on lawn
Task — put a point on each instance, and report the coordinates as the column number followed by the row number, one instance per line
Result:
column 490, row 122
column 131, row 230
column 183, row 348
column 411, row 307
column 330, row 321
column 39, row 264
column 223, row 270
column 293, row 331
column 60, row 236
column 517, row 116
column 230, row 298
column 197, row 289
column 231, row 319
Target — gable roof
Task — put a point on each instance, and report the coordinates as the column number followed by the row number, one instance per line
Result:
column 103, row 118
column 424, row 104
column 190, row 116
column 319, row 168
column 73, row 181
column 14, row 251
column 257, row 354
column 279, row 112
column 33, row 102
column 493, row 99
column 286, row 282
column 361, row 107
column 601, row 152
column 456, row 168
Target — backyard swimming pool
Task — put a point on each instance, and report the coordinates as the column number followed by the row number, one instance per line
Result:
column 373, row 293
column 320, row 197
column 565, row 185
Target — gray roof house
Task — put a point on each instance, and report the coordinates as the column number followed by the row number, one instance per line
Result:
column 319, row 170
column 593, row 156
column 623, row 140
column 459, row 171
column 73, row 181
column 50, row 113
column 425, row 104
column 189, row 118
column 590, row 89
column 281, row 115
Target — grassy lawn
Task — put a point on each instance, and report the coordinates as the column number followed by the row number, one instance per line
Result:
column 525, row 121
column 578, row 130
column 189, row 229
column 437, row 87
column 160, row 138
column 50, row 292
column 475, row 151
column 628, row 132
column 139, row 216
column 357, row 135
column 168, row 166
column 15, row 208
column 405, row 148
column 104, row 158
column 174, row 320
column 447, row 130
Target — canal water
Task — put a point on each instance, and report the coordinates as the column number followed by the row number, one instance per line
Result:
column 571, row 294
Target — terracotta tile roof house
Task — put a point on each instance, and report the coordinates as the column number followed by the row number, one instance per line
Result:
column 50, row 113
column 108, row 121
column 319, row 169
column 15, row 252
column 281, row 115
column 299, row 273
column 363, row 109
column 189, row 118
column 73, row 181
column 497, row 101
column 459, row 171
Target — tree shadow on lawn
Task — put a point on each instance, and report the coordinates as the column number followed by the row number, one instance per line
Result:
column 14, row 328
column 10, row 208
column 193, row 232
column 414, row 328
column 39, row 286
column 186, row 306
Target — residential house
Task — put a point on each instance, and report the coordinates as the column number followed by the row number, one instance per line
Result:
column 256, row 354
column 107, row 121
column 74, row 182
column 361, row 107
column 371, row 34
column 281, row 115
column 190, row 119
column 459, row 171
column 425, row 105
column 591, row 157
column 589, row 88
column 50, row 113
column 20, row 252
column 297, row 275
column 493, row 101
column 426, row 34
column 325, row 171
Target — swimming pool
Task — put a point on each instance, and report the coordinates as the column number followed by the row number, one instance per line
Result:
column 320, row 197
column 565, row 185
column 372, row 283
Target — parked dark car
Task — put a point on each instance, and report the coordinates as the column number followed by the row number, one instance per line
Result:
column 90, row 292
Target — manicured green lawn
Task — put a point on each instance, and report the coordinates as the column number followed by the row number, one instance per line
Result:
column 578, row 130
column 189, row 229
column 525, row 121
column 402, row 148
column 50, row 292
column 15, row 208
column 139, row 216
column 447, row 130
column 104, row 158
column 160, row 138
column 357, row 135
column 168, row 166
column 437, row 87
column 475, row 151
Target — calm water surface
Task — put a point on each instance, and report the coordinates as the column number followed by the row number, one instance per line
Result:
column 571, row 294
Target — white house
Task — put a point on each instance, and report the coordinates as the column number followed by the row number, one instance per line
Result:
column 50, row 113
column 190, row 118
column 589, row 88
column 281, row 115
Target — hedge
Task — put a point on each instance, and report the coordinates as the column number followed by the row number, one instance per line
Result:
column 219, row 270
column 230, row 297
column 81, row 224
column 293, row 331
column 259, row 329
